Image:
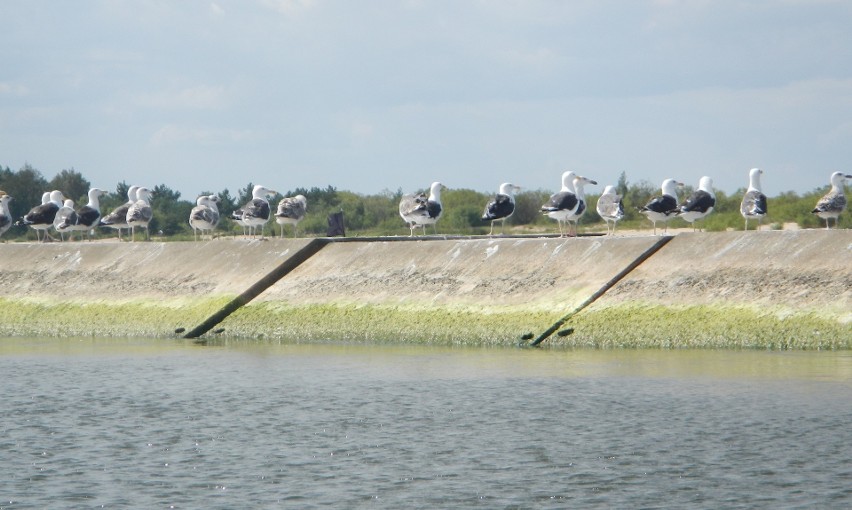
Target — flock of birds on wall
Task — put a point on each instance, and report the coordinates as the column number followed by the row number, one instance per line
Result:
column 417, row 210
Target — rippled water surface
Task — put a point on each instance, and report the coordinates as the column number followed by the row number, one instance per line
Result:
column 159, row 424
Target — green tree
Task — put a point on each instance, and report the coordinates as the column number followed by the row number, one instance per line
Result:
column 72, row 184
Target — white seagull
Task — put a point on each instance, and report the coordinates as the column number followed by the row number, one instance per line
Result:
column 700, row 202
column 64, row 219
column 418, row 210
column 205, row 215
column 834, row 202
column 754, row 201
column 256, row 210
column 610, row 208
column 5, row 214
column 117, row 219
column 140, row 213
column 291, row 210
column 663, row 207
column 564, row 203
column 501, row 206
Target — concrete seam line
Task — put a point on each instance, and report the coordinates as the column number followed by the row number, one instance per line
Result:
column 600, row 292
column 307, row 251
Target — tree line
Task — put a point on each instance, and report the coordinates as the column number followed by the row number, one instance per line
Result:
column 377, row 214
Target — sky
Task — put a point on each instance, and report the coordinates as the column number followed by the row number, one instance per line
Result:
column 377, row 95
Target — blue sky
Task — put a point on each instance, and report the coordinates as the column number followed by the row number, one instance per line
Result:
column 375, row 95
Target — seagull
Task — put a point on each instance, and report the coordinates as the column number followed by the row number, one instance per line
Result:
column 65, row 218
column 664, row 207
column 41, row 216
column 117, row 219
column 237, row 217
column 754, row 201
column 700, row 203
column 140, row 213
column 88, row 216
column 256, row 210
column 834, row 202
column 610, row 208
column 5, row 214
column 564, row 203
column 501, row 206
column 579, row 182
column 418, row 210
column 291, row 211
column 205, row 215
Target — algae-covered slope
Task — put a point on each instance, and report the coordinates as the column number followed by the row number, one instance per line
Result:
column 126, row 289
column 456, row 291
column 731, row 289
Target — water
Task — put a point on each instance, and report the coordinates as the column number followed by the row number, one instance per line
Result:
column 159, row 424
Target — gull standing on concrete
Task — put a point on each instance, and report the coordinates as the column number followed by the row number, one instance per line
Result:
column 563, row 203
column 64, row 219
column 140, row 213
column 205, row 215
column 663, row 207
column 700, row 202
column 579, row 183
column 117, row 219
column 610, row 208
column 88, row 216
column 501, row 206
column 41, row 216
column 5, row 214
column 418, row 210
column 754, row 201
column 291, row 210
column 256, row 210
column 834, row 202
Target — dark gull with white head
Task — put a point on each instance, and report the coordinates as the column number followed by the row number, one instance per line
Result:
column 291, row 210
column 501, row 206
column 663, row 207
column 564, row 203
column 700, row 202
column 205, row 215
column 140, row 213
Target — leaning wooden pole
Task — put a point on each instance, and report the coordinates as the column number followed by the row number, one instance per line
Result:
column 600, row 292
column 307, row 251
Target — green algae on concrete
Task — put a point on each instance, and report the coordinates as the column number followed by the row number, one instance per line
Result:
column 704, row 326
column 133, row 317
column 384, row 324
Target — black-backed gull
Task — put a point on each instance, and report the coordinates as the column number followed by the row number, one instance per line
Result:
column 563, row 203
column 700, row 202
column 663, row 207
column 501, row 206
column 41, row 216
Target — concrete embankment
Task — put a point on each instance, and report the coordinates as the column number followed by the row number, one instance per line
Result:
column 755, row 289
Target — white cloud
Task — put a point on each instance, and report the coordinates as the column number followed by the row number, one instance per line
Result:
column 13, row 89
column 177, row 134
column 201, row 97
column 289, row 7
column 216, row 9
